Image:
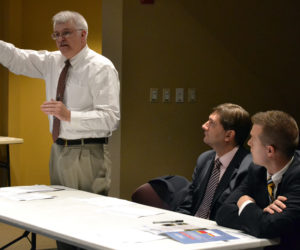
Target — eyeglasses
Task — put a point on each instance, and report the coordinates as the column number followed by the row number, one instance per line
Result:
column 64, row 34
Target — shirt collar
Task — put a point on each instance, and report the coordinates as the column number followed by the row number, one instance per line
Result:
column 276, row 178
column 77, row 58
column 226, row 158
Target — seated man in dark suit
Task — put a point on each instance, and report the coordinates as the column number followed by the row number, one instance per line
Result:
column 225, row 131
column 220, row 170
column 267, row 203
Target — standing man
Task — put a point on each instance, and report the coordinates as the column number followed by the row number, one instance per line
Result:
column 220, row 170
column 267, row 203
column 82, row 92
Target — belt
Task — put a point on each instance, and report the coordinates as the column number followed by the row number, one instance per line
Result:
column 64, row 142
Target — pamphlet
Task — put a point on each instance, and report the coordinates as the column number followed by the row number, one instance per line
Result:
column 200, row 236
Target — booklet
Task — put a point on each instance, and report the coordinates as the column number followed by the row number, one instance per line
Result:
column 200, row 236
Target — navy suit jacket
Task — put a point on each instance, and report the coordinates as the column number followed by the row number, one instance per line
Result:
column 253, row 220
column 172, row 189
column 234, row 174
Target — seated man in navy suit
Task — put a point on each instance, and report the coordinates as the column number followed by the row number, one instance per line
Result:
column 267, row 203
column 225, row 132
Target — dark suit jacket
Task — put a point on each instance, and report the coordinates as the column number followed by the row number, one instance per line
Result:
column 232, row 177
column 253, row 220
column 172, row 189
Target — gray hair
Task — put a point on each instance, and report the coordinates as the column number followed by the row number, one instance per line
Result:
column 75, row 17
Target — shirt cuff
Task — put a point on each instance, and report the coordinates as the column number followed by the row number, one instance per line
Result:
column 75, row 118
column 244, row 205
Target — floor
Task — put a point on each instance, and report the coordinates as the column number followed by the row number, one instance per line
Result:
column 10, row 233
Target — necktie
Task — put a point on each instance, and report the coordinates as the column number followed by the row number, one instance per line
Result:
column 60, row 97
column 271, row 186
column 204, row 208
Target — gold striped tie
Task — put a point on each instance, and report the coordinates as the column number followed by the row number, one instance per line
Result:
column 271, row 186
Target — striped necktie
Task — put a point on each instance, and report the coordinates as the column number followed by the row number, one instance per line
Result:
column 60, row 97
column 204, row 208
column 271, row 187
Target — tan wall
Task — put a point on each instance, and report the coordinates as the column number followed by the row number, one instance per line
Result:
column 112, row 26
column 3, row 90
column 29, row 25
column 3, row 79
column 244, row 52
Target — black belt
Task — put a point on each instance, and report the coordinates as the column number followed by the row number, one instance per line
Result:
column 64, row 142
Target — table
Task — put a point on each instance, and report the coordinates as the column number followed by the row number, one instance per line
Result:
column 93, row 221
column 7, row 141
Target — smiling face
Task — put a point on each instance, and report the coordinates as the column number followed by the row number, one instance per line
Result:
column 258, row 150
column 71, row 44
column 214, row 133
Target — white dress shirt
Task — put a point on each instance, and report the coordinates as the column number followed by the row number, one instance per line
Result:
column 276, row 178
column 92, row 87
column 226, row 159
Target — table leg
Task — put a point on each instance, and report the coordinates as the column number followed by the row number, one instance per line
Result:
column 33, row 241
column 8, row 165
column 24, row 235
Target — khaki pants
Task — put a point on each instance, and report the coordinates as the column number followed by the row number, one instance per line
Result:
column 84, row 167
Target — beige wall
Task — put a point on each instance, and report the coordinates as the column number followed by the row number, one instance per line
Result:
column 3, row 90
column 244, row 52
column 112, row 27
column 3, row 79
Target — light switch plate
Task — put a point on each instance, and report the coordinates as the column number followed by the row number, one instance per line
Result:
column 179, row 95
column 166, row 97
column 154, row 95
column 192, row 97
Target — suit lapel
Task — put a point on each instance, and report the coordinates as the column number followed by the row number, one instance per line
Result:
column 258, row 184
column 230, row 172
column 288, row 172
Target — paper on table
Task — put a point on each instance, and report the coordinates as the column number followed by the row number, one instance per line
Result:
column 129, row 211
column 121, row 207
column 27, row 189
column 25, row 193
column 119, row 239
column 30, row 196
column 106, row 201
column 172, row 227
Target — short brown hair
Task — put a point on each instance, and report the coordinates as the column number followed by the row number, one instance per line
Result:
column 280, row 130
column 234, row 117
